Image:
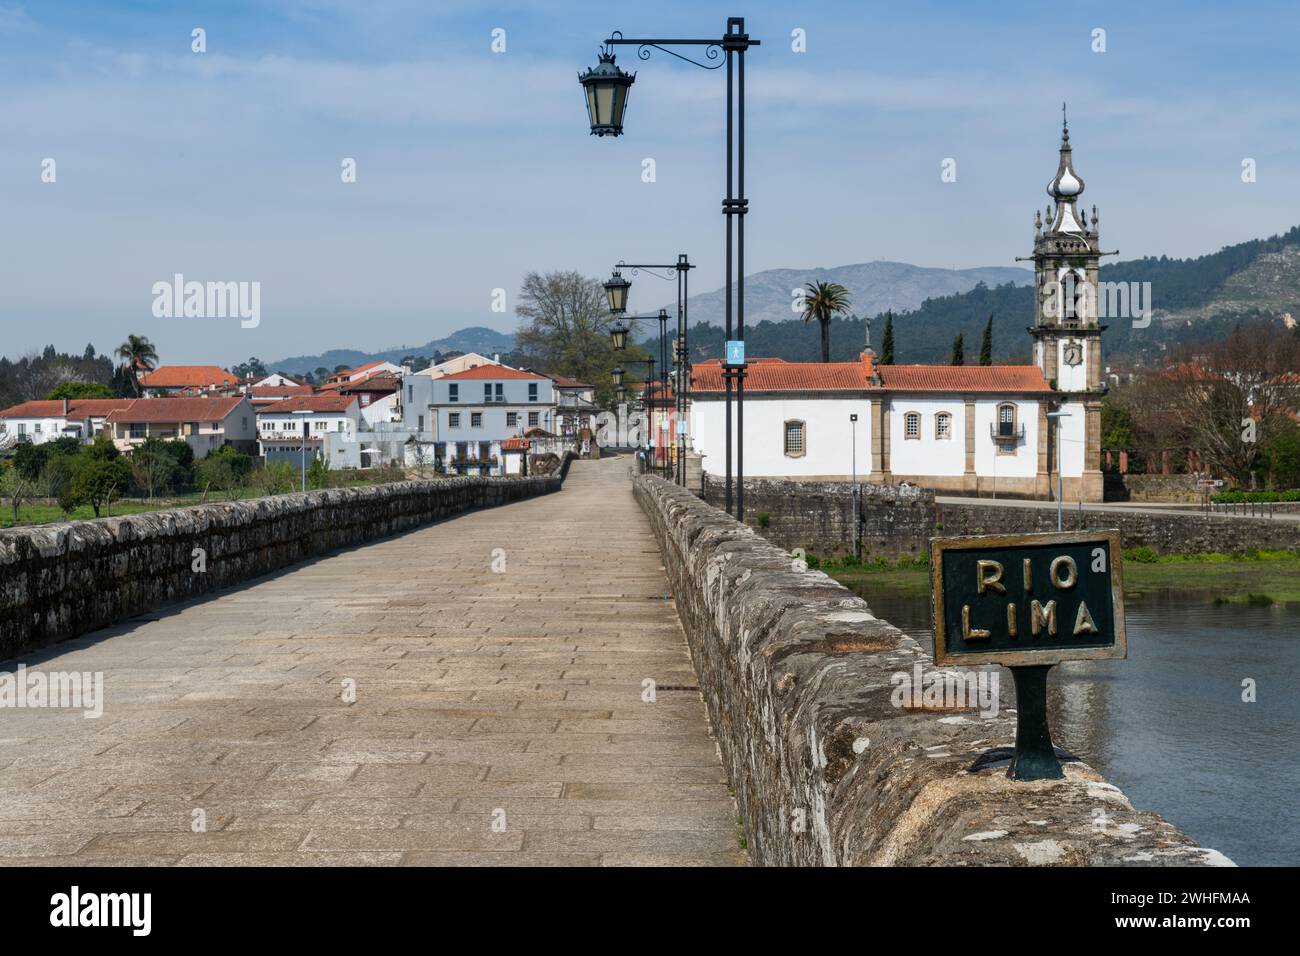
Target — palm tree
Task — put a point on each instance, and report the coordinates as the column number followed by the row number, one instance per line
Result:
column 822, row 301
column 137, row 353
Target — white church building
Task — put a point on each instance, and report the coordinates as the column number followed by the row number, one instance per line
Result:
column 968, row 429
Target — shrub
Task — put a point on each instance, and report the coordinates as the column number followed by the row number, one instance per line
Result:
column 225, row 470
column 1141, row 555
column 276, row 478
column 764, row 519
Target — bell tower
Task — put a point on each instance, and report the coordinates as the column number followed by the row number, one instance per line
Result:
column 1067, row 328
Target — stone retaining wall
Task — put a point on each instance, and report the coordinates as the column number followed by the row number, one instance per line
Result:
column 1192, row 532
column 818, row 515
column 798, row 676
column 61, row 580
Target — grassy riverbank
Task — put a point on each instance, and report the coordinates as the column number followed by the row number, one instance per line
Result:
column 1260, row 578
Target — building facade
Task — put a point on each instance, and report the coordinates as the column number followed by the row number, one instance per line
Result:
column 970, row 430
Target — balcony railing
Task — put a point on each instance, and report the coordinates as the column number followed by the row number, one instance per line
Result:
column 1006, row 432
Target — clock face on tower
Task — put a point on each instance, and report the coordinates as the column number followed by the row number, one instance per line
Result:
column 1073, row 353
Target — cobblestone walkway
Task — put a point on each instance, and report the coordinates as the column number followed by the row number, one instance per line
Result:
column 498, row 715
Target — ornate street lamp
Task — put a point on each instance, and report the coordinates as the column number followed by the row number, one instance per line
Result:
column 616, row 289
column 618, row 335
column 618, row 377
column 606, row 87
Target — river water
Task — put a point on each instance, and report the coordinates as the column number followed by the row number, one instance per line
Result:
column 1169, row 726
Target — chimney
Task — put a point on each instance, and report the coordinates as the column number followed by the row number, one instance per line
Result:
column 65, row 408
column 496, row 357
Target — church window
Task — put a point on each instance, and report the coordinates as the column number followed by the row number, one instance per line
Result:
column 943, row 426
column 912, row 425
column 794, row 439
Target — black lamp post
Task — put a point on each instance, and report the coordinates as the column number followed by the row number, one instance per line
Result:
column 606, row 87
column 681, row 371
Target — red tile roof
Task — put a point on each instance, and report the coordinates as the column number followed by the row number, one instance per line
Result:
column 77, row 408
column 310, row 403
column 492, row 372
column 963, row 378
column 374, row 382
column 565, row 382
column 778, row 375
column 179, row 376
column 176, row 410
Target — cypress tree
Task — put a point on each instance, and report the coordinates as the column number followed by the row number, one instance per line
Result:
column 958, row 351
column 887, row 342
column 986, row 344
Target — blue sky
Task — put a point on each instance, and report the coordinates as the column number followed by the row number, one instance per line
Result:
column 475, row 167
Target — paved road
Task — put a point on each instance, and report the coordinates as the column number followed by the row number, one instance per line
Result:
column 482, row 698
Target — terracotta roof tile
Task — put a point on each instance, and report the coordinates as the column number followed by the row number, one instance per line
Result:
column 176, row 410
column 178, row 376
column 310, row 403
column 778, row 375
column 963, row 378
column 77, row 408
column 493, row 372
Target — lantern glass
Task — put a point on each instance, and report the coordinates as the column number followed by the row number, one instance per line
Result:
column 618, row 336
column 618, row 375
column 616, row 290
column 606, row 88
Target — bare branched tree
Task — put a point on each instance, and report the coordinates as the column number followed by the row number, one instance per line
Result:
column 1227, row 400
column 565, row 326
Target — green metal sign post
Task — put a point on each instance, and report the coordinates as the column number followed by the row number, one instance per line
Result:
column 1028, row 602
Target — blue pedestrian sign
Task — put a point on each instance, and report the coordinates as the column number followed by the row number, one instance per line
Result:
column 736, row 352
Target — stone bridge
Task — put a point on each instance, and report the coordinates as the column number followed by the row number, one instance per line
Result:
column 498, row 716
column 497, row 673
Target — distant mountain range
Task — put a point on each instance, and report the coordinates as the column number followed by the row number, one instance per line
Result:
column 1193, row 299
column 476, row 338
column 873, row 287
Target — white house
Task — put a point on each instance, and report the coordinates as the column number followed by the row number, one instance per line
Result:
column 324, row 425
column 462, row 418
column 206, row 424
column 957, row 429
column 42, row 421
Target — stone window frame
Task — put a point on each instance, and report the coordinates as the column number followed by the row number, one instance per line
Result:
column 908, row 418
column 803, row 438
column 453, row 419
column 943, row 426
column 475, row 419
column 1007, row 447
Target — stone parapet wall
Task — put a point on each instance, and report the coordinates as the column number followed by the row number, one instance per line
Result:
column 1193, row 532
column 62, row 580
column 896, row 521
column 799, row 678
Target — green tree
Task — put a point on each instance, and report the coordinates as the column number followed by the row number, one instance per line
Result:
column 823, row 301
column 318, row 473
column 958, row 351
column 72, row 390
column 224, row 471
column 158, row 466
column 136, row 353
column 1282, row 458
column 14, row 488
column 986, row 343
column 887, row 341
column 276, row 478
column 97, row 481
column 1118, row 429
